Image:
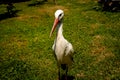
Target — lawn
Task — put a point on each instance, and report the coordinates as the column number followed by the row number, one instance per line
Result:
column 26, row 49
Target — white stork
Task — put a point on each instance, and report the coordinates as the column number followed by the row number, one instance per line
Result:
column 62, row 48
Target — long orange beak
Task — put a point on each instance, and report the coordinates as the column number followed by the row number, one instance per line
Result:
column 54, row 26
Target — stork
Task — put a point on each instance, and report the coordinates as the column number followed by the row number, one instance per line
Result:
column 62, row 48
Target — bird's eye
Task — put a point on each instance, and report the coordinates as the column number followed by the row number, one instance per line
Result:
column 60, row 15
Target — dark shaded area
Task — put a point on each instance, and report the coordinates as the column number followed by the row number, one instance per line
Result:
column 108, row 5
column 11, row 12
column 11, row 9
column 11, row 1
column 116, row 78
column 12, row 68
column 69, row 77
column 64, row 66
column 8, row 15
column 37, row 3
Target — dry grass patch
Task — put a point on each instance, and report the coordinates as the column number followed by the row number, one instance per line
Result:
column 51, row 9
column 19, row 43
column 24, row 16
column 84, row 1
column 103, row 56
column 95, row 26
column 98, row 50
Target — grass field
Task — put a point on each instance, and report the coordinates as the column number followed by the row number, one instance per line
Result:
column 25, row 46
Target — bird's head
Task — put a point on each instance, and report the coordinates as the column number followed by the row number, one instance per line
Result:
column 58, row 18
column 59, row 15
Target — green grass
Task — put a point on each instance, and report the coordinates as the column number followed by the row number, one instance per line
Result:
column 25, row 46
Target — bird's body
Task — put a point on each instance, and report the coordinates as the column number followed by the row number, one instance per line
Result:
column 62, row 48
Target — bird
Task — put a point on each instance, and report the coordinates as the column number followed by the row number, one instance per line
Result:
column 62, row 48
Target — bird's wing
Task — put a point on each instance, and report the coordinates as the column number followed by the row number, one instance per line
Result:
column 53, row 47
column 69, row 49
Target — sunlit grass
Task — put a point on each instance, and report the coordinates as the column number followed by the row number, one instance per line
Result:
column 25, row 46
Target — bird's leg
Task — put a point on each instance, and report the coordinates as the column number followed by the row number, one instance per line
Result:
column 66, row 72
column 59, row 73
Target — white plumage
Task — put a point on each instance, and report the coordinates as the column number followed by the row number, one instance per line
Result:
column 62, row 48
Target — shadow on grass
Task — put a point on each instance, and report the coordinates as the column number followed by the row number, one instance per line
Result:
column 98, row 8
column 36, row 3
column 12, row 1
column 7, row 15
column 69, row 77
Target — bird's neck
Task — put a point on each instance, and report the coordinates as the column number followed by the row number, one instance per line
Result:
column 59, row 30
